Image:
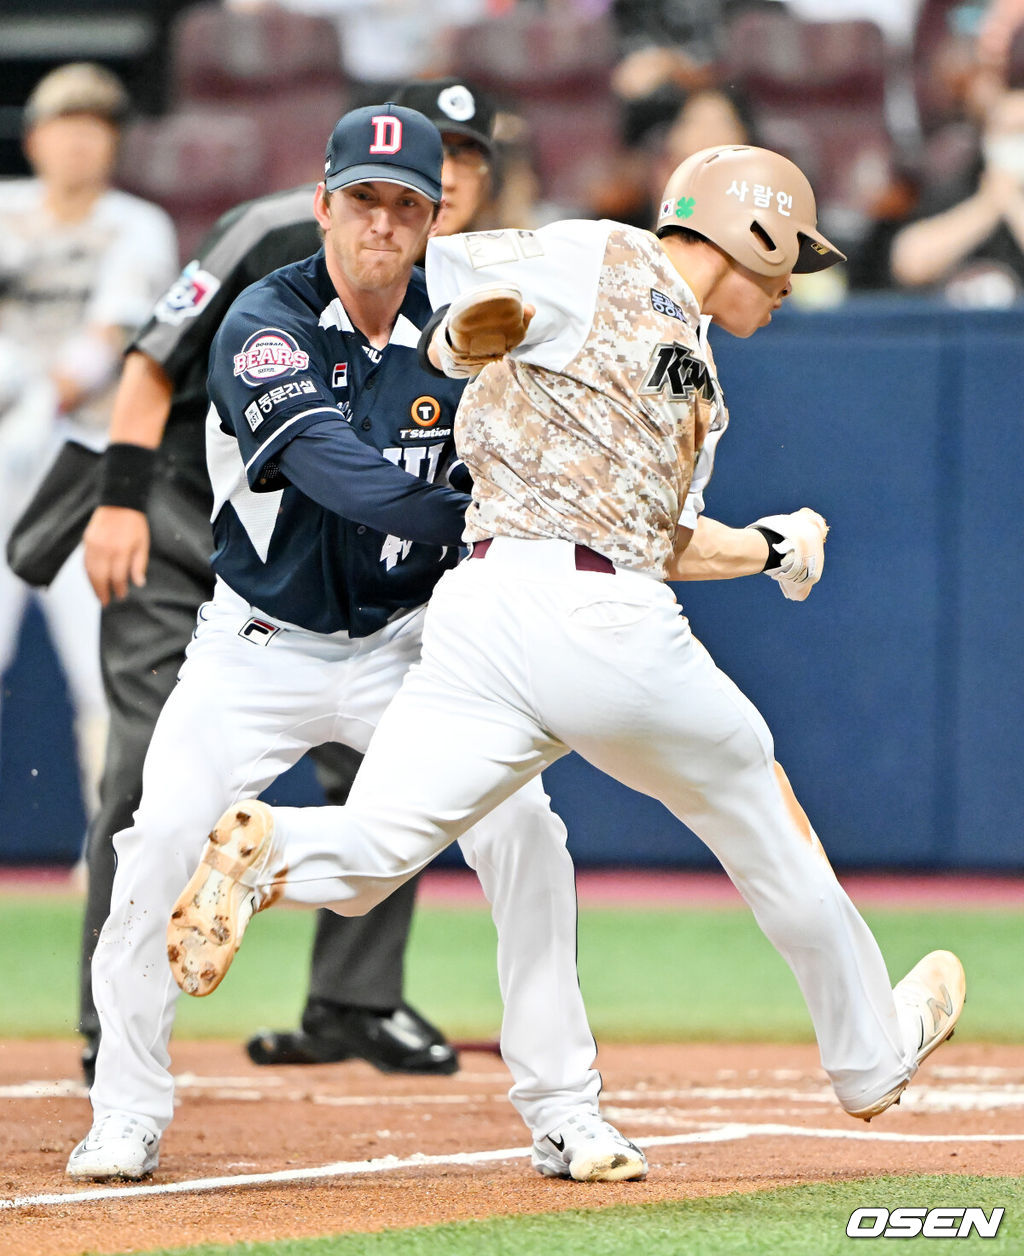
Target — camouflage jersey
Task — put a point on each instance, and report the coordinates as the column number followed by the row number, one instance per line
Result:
column 601, row 427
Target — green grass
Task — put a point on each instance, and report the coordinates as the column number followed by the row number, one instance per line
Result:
column 652, row 975
column 655, row 975
column 796, row 1221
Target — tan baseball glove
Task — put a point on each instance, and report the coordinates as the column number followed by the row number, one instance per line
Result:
column 480, row 327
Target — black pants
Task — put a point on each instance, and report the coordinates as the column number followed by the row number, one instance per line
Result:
column 356, row 960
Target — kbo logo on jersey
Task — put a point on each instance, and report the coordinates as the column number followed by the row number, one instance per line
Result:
column 269, row 354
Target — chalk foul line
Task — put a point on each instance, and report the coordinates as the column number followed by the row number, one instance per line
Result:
column 387, row 1164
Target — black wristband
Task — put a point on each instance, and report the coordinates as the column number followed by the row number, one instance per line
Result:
column 426, row 335
column 126, row 476
column 774, row 559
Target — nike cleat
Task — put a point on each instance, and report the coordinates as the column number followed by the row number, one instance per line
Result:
column 586, row 1148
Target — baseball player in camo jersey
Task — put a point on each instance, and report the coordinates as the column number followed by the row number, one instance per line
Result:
column 591, row 445
column 328, row 448
column 148, row 554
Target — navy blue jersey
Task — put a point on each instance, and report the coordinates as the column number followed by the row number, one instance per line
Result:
column 325, row 455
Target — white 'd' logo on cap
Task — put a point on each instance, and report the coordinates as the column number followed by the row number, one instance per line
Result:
column 387, row 134
column 457, row 102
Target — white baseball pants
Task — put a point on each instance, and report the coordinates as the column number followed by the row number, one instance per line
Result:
column 241, row 714
column 523, row 656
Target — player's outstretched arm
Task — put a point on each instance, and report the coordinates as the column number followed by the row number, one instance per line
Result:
column 789, row 548
column 116, row 539
column 478, row 328
column 714, row 551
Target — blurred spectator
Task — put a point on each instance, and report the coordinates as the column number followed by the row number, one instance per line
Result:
column 466, row 120
column 385, row 41
column 708, row 116
column 895, row 18
column 669, row 49
column 80, row 264
column 969, row 239
column 893, row 207
column 1000, row 23
column 517, row 192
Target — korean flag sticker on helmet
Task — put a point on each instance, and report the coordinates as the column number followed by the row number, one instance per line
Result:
column 269, row 354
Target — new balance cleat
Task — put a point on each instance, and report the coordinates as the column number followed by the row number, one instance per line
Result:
column 118, row 1146
column 586, row 1148
column 929, row 1001
column 214, row 909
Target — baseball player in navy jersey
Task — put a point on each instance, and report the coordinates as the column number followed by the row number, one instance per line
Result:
column 147, row 552
column 328, row 449
column 590, row 443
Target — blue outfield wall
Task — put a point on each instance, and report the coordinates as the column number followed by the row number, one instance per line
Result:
column 895, row 693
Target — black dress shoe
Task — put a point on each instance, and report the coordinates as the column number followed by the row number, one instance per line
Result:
column 399, row 1041
column 89, row 1052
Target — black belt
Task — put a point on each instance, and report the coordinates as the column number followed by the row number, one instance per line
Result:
column 586, row 558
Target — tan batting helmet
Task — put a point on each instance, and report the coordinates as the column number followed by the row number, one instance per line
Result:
column 756, row 205
column 79, row 87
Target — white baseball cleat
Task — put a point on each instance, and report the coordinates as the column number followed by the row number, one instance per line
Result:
column 118, row 1146
column 929, row 1001
column 585, row 1147
column 212, row 912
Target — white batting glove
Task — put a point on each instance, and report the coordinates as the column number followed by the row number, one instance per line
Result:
column 801, row 549
column 480, row 327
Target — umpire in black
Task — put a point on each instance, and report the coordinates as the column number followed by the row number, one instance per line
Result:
column 147, row 552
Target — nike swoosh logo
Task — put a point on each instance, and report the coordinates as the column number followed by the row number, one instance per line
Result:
column 557, row 1142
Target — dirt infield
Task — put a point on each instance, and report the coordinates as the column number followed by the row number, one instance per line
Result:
column 353, row 1150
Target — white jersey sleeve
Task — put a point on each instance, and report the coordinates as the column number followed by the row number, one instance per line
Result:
column 704, row 462
column 140, row 261
column 557, row 269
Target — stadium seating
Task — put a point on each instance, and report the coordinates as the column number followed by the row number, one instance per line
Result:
column 553, row 70
column 818, row 93
column 254, row 96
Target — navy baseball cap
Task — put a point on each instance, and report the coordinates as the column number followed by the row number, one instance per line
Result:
column 452, row 105
column 386, row 142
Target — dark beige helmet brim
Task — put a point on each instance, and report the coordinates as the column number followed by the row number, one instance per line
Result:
column 816, row 253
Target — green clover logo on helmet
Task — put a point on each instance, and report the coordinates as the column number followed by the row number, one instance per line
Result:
column 684, row 206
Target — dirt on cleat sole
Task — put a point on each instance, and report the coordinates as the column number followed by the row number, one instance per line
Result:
column 213, row 911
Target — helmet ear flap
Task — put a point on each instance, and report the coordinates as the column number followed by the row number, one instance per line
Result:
column 765, row 244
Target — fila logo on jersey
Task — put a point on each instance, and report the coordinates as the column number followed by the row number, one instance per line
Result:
column 675, row 369
column 269, row 354
column 665, row 305
column 258, row 631
column 339, row 376
column 425, row 411
column 387, row 133
column 188, row 296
